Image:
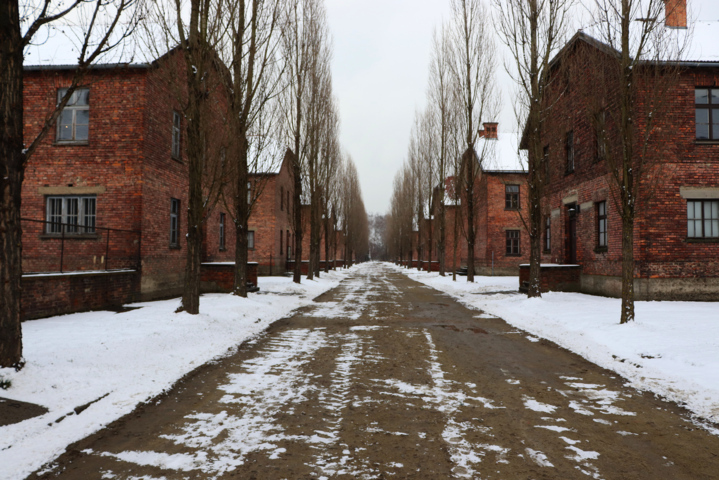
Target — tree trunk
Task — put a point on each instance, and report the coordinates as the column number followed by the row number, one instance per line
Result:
column 12, row 171
column 535, row 237
column 471, row 234
column 297, row 213
column 627, row 268
column 242, row 214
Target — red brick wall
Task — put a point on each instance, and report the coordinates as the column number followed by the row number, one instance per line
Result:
column 45, row 296
column 676, row 160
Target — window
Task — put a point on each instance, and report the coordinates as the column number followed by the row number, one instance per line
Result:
column 548, row 233
column 512, row 242
column 703, row 218
column 289, row 246
column 222, row 231
column 570, row 151
column 602, row 226
column 73, row 124
column 249, row 193
column 511, row 197
column 250, row 240
column 174, row 222
column 72, row 215
column 176, row 135
column 707, row 113
column 282, row 249
column 282, row 202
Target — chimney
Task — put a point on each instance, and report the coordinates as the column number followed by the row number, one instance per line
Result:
column 676, row 13
column 489, row 131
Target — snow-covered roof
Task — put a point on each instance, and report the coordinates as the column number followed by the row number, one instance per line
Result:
column 265, row 158
column 502, row 154
column 703, row 45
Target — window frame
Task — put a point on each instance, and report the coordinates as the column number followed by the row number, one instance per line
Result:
column 569, row 149
column 175, row 210
column 511, row 199
column 176, row 139
column 250, row 235
column 712, row 110
column 702, row 221
column 73, row 108
column 548, row 234
column 513, row 247
column 85, row 223
column 222, row 232
column 602, row 227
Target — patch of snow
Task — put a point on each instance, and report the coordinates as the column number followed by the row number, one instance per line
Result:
column 539, row 458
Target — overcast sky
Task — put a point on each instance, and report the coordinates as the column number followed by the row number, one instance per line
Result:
column 380, row 68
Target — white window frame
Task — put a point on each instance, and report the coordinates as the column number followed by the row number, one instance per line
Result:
column 71, row 214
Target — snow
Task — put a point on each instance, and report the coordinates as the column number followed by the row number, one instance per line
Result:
column 120, row 360
column 502, row 153
column 671, row 349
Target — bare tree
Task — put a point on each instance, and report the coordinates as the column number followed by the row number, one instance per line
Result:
column 328, row 172
column 255, row 80
column 104, row 25
column 634, row 78
column 534, row 31
column 473, row 65
column 304, row 27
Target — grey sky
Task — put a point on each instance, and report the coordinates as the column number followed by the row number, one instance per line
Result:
column 380, row 67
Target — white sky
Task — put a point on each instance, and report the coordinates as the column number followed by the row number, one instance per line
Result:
column 380, row 67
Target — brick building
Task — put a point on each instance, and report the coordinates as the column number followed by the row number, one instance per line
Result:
column 114, row 171
column 502, row 242
column 676, row 237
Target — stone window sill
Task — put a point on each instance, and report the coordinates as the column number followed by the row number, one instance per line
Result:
column 174, row 247
column 601, row 250
column 70, row 236
column 71, row 143
column 706, row 142
column 513, row 255
column 702, row 240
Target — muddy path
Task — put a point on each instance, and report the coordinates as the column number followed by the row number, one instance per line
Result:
column 387, row 378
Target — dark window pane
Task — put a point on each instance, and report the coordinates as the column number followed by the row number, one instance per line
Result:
column 81, row 96
column 701, row 96
column 702, row 131
column 81, row 132
column 82, row 116
column 715, row 96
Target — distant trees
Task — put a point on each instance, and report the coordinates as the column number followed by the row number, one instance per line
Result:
column 99, row 28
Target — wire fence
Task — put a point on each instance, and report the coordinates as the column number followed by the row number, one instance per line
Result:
column 50, row 246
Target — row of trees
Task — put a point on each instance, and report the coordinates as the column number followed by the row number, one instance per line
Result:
column 443, row 142
column 634, row 77
column 252, row 74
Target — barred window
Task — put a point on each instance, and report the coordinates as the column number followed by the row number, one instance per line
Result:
column 73, row 124
column 703, row 218
column 176, row 135
column 174, row 222
column 512, row 242
column 222, row 231
column 602, row 235
column 74, row 215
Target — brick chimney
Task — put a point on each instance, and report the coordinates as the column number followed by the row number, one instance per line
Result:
column 489, row 130
column 676, row 13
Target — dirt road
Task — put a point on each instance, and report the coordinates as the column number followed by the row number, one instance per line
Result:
column 386, row 378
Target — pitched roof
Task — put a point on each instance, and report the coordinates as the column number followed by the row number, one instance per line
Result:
column 502, row 154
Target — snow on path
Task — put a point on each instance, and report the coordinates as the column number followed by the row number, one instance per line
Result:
column 121, row 360
column 671, row 349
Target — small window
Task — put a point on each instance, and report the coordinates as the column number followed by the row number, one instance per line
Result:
column 703, row 218
column 706, row 101
column 73, row 124
column 249, row 193
column 548, row 234
column 289, row 246
column 222, row 231
column 176, row 135
column 570, row 151
column 174, row 222
column 512, row 242
column 73, row 215
column 251, row 240
column 602, row 236
column 511, row 197
column 282, row 201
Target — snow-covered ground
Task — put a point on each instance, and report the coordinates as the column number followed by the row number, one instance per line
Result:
column 671, row 349
column 119, row 360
